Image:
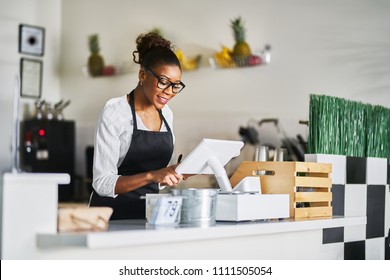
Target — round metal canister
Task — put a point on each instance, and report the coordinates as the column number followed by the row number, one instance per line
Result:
column 262, row 153
column 198, row 207
column 280, row 154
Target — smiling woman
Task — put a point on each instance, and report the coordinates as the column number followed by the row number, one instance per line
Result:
column 134, row 138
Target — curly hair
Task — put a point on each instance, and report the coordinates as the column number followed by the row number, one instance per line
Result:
column 152, row 50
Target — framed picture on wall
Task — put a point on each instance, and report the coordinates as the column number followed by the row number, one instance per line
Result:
column 30, row 78
column 31, row 40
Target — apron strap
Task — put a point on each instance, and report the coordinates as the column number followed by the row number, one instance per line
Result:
column 132, row 106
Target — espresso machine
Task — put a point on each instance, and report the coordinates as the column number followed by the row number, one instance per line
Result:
column 47, row 145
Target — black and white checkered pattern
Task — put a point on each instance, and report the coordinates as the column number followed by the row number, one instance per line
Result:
column 360, row 187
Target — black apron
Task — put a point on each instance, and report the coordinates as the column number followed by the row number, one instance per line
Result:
column 149, row 150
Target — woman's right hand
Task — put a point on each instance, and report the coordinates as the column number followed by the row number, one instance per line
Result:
column 167, row 176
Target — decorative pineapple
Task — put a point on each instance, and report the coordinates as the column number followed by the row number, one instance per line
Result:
column 241, row 49
column 157, row 31
column 95, row 60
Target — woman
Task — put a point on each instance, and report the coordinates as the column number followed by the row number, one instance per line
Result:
column 134, row 138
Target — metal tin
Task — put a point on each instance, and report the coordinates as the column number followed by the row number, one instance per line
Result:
column 280, row 154
column 198, row 207
column 262, row 153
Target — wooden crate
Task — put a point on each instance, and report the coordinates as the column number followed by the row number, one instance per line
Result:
column 308, row 183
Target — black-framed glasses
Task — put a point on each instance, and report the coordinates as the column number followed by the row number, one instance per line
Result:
column 164, row 83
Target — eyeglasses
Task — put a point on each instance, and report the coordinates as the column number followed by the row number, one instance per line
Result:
column 163, row 83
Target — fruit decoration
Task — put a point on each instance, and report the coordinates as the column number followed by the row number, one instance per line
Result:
column 157, row 30
column 95, row 60
column 224, row 58
column 109, row 70
column 240, row 55
column 95, row 65
column 187, row 63
column 241, row 48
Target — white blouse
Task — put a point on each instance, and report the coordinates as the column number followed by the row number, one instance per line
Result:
column 113, row 135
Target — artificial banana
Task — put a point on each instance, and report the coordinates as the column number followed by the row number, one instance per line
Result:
column 224, row 58
column 187, row 63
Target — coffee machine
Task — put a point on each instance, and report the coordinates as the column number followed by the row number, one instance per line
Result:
column 48, row 146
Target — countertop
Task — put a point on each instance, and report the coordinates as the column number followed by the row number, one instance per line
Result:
column 125, row 233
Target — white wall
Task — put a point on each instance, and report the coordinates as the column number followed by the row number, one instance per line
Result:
column 338, row 48
column 332, row 47
column 45, row 13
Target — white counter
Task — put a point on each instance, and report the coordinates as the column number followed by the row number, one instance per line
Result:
column 277, row 239
column 29, row 231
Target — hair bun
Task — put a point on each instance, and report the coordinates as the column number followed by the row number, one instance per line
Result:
column 148, row 41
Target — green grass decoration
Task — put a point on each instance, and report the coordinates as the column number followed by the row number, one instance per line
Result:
column 378, row 132
column 344, row 127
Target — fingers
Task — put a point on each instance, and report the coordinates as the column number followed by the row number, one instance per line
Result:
column 168, row 176
column 173, row 179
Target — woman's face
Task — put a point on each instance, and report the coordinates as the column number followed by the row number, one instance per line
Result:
column 155, row 80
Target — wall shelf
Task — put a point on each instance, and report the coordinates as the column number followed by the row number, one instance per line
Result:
column 120, row 69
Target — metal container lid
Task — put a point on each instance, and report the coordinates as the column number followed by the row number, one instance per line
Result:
column 194, row 192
